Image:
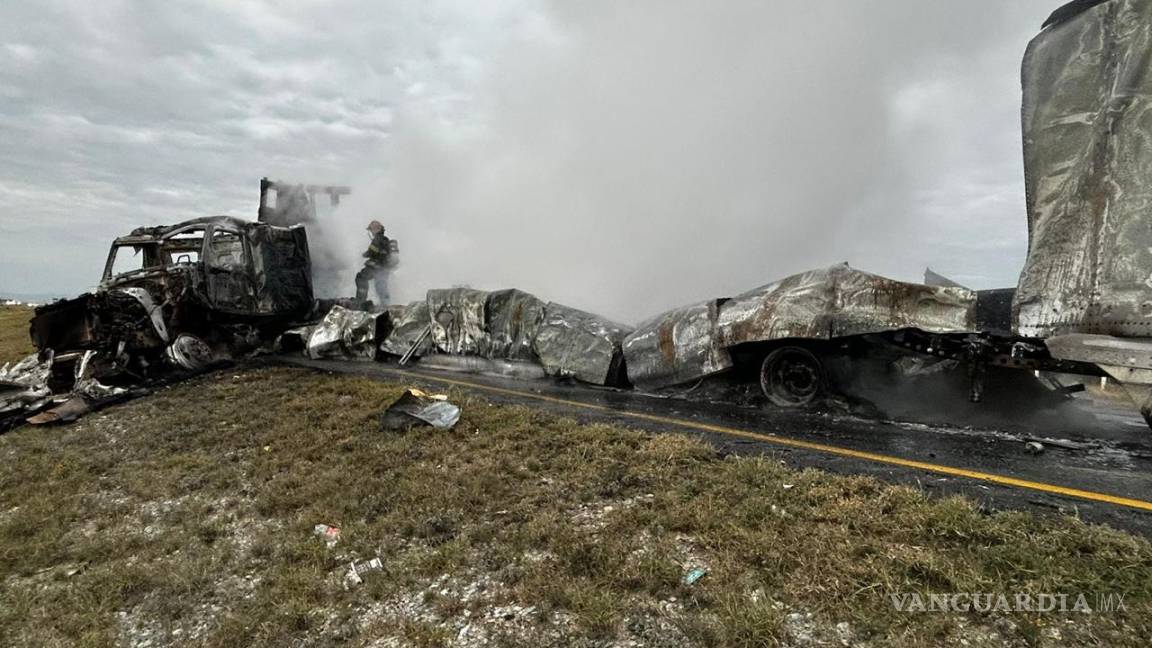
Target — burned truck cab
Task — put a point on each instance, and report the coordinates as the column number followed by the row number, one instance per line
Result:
column 217, row 269
column 228, row 284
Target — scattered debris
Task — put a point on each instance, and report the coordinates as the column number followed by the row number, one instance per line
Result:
column 356, row 571
column 23, row 389
column 330, row 534
column 693, row 575
column 86, row 384
column 66, row 412
column 416, row 407
column 26, row 393
column 416, row 346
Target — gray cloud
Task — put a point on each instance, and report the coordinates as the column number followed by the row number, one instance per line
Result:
column 623, row 157
column 633, row 156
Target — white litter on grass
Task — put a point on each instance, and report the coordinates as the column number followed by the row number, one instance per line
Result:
column 330, row 534
column 356, row 571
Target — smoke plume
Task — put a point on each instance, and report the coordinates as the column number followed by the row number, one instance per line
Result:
column 630, row 157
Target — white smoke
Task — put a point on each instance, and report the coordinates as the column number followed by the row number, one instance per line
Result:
column 629, row 157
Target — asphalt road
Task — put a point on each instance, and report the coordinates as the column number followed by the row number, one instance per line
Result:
column 1108, row 481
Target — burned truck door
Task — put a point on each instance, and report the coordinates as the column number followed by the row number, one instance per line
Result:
column 227, row 264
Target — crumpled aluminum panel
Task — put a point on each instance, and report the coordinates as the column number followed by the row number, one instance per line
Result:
column 458, row 316
column 676, row 347
column 408, row 323
column 87, row 385
column 24, row 385
column 574, row 344
column 513, row 319
column 839, row 301
column 1087, row 121
column 415, row 407
column 344, row 333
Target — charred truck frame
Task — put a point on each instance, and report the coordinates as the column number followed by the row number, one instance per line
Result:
column 188, row 292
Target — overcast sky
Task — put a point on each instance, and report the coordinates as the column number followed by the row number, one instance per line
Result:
column 623, row 157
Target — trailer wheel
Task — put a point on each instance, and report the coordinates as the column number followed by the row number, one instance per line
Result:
column 792, row 377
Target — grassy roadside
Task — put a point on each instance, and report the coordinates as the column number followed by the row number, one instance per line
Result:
column 187, row 518
column 14, row 341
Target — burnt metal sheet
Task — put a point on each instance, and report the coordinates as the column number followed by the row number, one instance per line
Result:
column 65, row 324
column 513, row 319
column 87, row 385
column 344, row 333
column 676, row 347
column 282, row 269
column 994, row 310
column 24, row 385
column 840, row 301
column 408, row 323
column 572, row 343
column 458, row 316
column 1104, row 350
column 1087, row 122
column 416, row 407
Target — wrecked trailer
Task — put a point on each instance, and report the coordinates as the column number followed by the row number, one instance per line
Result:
column 1086, row 287
column 838, row 330
column 794, row 336
column 677, row 347
column 508, row 332
column 184, row 296
column 787, row 330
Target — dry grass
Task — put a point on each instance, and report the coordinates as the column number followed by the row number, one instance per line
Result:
column 15, row 343
column 187, row 518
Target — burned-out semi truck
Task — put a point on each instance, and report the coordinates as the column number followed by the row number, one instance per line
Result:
column 182, row 294
column 1083, row 305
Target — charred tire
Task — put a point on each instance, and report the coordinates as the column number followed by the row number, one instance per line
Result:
column 792, row 376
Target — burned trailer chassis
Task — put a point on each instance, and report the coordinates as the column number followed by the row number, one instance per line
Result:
column 979, row 351
column 797, row 372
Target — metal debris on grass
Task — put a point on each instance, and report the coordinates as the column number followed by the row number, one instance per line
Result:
column 24, row 388
column 357, row 570
column 694, row 575
column 416, row 407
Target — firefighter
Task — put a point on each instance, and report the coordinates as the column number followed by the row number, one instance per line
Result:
column 376, row 266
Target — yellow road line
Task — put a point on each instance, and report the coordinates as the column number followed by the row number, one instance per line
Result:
column 806, row 445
